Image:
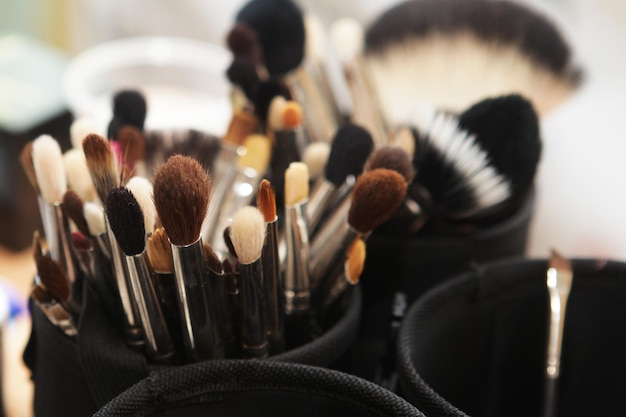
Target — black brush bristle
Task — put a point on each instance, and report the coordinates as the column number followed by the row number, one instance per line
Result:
column 280, row 27
column 242, row 73
column 350, row 148
column 263, row 95
column 130, row 107
column 507, row 128
column 126, row 220
column 244, row 43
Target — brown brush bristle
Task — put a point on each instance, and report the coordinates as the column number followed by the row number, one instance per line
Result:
column 376, row 195
column 132, row 144
column 355, row 261
column 292, row 115
column 53, row 279
column 37, row 247
column 73, row 209
column 80, row 242
column 559, row 262
column 101, row 164
column 159, row 252
column 391, row 158
column 182, row 191
column 213, row 262
column 27, row 164
column 242, row 125
column 244, row 42
column 266, row 201
column 229, row 243
column 40, row 295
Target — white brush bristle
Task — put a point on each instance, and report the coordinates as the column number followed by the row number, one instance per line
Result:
column 49, row 169
column 315, row 47
column 247, row 232
column 142, row 190
column 77, row 173
column 347, row 37
column 94, row 214
column 296, row 183
column 315, row 156
column 80, row 128
column 275, row 113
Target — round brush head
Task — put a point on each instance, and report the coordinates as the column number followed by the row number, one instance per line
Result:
column 350, row 148
column 391, row 158
column 244, row 43
column 130, row 107
column 126, row 220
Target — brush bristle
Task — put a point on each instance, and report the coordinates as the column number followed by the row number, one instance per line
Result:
column 559, row 262
column 404, row 140
column 132, row 144
column 266, row 201
column 247, row 233
column 347, row 38
column 213, row 262
column 130, row 107
column 243, row 73
column 49, row 170
column 73, row 209
column 315, row 156
column 101, row 164
column 40, row 295
column 126, row 220
column 159, row 252
column 391, row 158
column 292, row 115
column 182, row 190
column 355, row 261
column 80, row 128
column 296, row 183
column 37, row 246
column 142, row 190
column 349, row 150
column 242, row 125
column 243, row 42
column 315, row 38
column 94, row 215
column 264, row 93
column 78, row 176
column 280, row 27
column 229, row 242
column 257, row 155
column 53, row 279
column 275, row 113
column 376, row 195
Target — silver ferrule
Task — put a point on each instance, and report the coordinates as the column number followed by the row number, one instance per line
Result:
column 559, row 283
column 58, row 315
column 253, row 329
column 297, row 290
column 132, row 320
column 58, row 237
column 158, row 342
column 199, row 331
column 319, row 199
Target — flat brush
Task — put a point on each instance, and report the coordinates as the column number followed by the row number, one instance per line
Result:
column 375, row 197
column 127, row 223
column 248, row 236
column 559, row 278
column 272, row 280
column 182, row 190
column 54, row 311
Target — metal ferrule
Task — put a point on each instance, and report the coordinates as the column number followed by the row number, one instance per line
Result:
column 297, row 290
column 319, row 199
column 199, row 332
column 272, row 288
column 559, row 283
column 158, row 342
column 58, row 237
column 58, row 316
column 130, row 316
column 253, row 333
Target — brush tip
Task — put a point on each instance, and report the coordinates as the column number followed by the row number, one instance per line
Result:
column 350, row 148
column 292, row 115
column 315, row 156
column 296, row 183
column 142, row 190
column 391, row 158
column 347, row 37
column 355, row 261
column 275, row 113
column 49, row 168
column 130, row 107
column 94, row 215
column 243, row 42
column 53, row 279
column 126, row 220
column 159, row 252
column 266, row 201
column 247, row 233
column 212, row 260
column 73, row 209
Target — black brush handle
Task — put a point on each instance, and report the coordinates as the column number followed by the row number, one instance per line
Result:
column 549, row 397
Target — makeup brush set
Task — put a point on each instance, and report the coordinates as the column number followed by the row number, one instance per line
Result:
column 362, row 169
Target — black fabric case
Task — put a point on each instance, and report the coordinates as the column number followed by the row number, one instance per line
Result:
column 476, row 345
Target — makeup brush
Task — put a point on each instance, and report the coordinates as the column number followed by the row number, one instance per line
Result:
column 559, row 278
column 243, row 42
column 127, row 223
column 247, row 232
column 272, row 280
column 50, row 174
column 349, row 150
column 182, row 190
column 94, row 216
column 142, row 191
column 454, row 53
column 375, row 196
column 263, row 95
column 53, row 279
column 296, row 280
column 80, row 128
column 132, row 148
column 73, row 208
column 315, row 156
column 101, row 164
column 77, row 174
column 54, row 311
column 244, row 78
column 129, row 107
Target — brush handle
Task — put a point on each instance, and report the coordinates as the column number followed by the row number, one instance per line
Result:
column 223, row 313
column 273, row 289
column 58, row 237
column 549, row 397
column 320, row 198
column 253, row 333
column 297, row 289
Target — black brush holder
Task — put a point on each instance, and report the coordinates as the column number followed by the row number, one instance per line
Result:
column 239, row 388
column 410, row 265
column 476, row 345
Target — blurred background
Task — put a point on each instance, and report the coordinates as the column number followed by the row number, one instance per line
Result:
column 581, row 198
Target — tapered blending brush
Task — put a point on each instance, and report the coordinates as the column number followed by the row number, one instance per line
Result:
column 375, row 197
column 50, row 174
column 182, row 190
column 247, row 232
column 127, row 223
column 77, row 174
column 454, row 53
column 105, row 177
column 349, row 150
column 272, row 281
column 73, row 208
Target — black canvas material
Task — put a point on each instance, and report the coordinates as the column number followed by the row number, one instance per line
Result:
column 476, row 345
column 412, row 265
column 237, row 388
column 77, row 376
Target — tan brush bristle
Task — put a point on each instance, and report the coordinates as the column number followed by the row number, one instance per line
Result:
column 182, row 190
column 404, row 140
column 101, row 164
column 73, row 208
column 292, row 115
column 49, row 169
column 212, row 260
column 242, row 125
column 78, row 176
column 296, row 183
column 258, row 153
column 53, row 278
column 315, row 156
column 37, row 247
column 266, row 201
column 132, row 144
column 247, row 233
column 355, row 261
column 159, row 252
column 376, row 195
column 26, row 160
column 275, row 113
